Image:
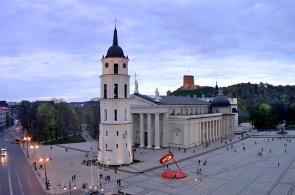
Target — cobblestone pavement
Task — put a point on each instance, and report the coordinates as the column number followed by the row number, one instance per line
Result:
column 230, row 169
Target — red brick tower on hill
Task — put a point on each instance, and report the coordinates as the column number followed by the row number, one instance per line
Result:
column 188, row 82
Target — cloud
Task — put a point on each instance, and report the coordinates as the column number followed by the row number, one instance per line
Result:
column 53, row 48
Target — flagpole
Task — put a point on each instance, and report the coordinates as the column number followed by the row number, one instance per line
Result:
column 91, row 170
column 97, row 164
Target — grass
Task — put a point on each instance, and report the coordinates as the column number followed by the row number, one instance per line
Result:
column 70, row 139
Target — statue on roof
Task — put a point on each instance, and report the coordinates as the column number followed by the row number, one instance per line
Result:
column 136, row 83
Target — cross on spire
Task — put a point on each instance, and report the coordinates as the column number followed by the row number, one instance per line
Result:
column 135, row 75
column 115, row 22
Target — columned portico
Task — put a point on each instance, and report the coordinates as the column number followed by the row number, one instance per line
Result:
column 158, row 126
column 149, row 126
column 157, row 131
column 141, row 131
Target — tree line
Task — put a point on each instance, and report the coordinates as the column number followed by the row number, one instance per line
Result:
column 267, row 105
column 56, row 119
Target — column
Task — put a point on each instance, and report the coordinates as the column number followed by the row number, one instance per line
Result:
column 210, row 130
column 157, row 131
column 131, row 130
column 219, row 126
column 166, row 133
column 215, row 130
column 185, row 135
column 200, row 132
column 203, row 132
column 149, row 123
column 207, row 132
column 141, row 131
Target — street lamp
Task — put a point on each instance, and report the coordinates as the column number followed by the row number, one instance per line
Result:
column 70, row 186
column 44, row 160
column 27, row 139
column 34, row 147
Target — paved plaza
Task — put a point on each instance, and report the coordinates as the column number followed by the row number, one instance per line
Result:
column 261, row 164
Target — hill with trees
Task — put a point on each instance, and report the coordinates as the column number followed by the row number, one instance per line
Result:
column 267, row 104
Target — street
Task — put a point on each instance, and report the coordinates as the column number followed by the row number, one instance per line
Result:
column 17, row 176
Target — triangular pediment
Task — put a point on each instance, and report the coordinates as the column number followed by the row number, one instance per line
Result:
column 137, row 101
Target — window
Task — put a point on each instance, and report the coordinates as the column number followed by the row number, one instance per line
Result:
column 115, row 68
column 106, row 133
column 125, row 90
column 125, row 132
column 117, row 145
column 115, row 115
column 115, row 90
column 106, row 145
column 173, row 112
column 105, row 114
column 126, row 145
column 117, row 133
column 105, row 91
column 125, row 114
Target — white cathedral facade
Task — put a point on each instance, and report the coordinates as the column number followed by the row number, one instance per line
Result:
column 152, row 121
column 172, row 121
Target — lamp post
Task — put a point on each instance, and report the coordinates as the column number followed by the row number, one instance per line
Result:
column 34, row 147
column 70, row 186
column 27, row 139
column 44, row 160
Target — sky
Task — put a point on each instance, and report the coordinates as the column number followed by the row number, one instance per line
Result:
column 53, row 48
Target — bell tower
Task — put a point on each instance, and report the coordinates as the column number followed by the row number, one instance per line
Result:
column 115, row 126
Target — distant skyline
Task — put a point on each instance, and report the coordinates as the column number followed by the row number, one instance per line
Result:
column 53, row 48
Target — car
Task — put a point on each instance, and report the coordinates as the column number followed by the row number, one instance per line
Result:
column 7, row 140
column 3, row 152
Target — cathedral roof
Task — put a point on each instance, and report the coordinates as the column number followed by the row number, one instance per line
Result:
column 173, row 100
column 115, row 51
column 220, row 101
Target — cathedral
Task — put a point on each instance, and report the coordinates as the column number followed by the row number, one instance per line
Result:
column 153, row 121
column 173, row 121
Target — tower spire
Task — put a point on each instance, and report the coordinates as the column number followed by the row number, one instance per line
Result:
column 115, row 38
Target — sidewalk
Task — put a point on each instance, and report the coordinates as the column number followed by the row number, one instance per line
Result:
column 65, row 164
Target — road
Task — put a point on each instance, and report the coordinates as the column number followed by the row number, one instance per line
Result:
column 17, row 175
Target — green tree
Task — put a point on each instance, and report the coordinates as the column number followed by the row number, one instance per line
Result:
column 46, row 121
column 260, row 115
column 27, row 115
column 67, row 120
